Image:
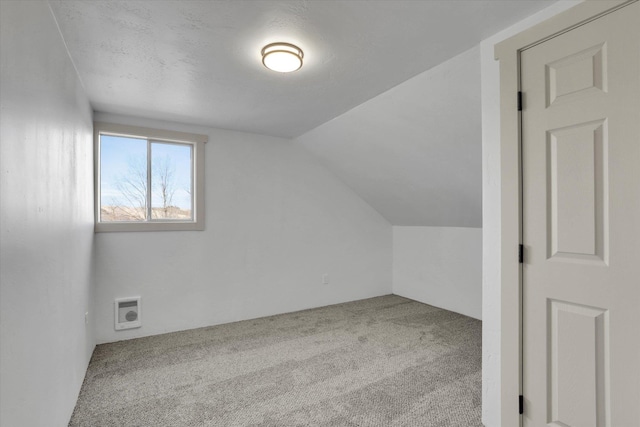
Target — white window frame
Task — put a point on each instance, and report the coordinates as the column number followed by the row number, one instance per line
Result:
column 159, row 135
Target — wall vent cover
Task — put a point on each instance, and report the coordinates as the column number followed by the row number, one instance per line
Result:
column 128, row 313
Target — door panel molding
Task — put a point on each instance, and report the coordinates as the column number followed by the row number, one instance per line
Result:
column 585, row 361
column 578, row 167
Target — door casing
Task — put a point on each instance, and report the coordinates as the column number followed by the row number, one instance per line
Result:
column 508, row 53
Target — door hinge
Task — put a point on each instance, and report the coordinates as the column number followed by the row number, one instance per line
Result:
column 521, row 254
column 519, row 101
column 521, row 404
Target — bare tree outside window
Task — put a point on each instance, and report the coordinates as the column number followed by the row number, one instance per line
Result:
column 131, row 202
column 168, row 163
column 164, row 185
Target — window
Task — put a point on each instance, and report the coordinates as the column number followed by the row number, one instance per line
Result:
column 148, row 179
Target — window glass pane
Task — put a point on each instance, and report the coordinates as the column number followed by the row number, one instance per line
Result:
column 123, row 179
column 171, row 173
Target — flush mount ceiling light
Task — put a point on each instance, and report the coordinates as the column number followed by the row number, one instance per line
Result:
column 282, row 57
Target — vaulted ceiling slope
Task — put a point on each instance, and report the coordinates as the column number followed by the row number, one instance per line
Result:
column 414, row 153
column 199, row 62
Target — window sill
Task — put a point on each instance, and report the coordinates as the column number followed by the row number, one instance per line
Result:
column 104, row 227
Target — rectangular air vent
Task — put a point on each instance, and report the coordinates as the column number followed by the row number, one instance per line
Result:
column 128, row 313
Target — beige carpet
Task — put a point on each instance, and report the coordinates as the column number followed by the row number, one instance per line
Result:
column 386, row 361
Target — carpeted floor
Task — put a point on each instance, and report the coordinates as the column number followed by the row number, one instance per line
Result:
column 386, row 361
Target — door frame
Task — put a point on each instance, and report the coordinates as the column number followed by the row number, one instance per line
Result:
column 508, row 53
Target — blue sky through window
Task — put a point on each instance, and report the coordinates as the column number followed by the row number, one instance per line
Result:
column 123, row 172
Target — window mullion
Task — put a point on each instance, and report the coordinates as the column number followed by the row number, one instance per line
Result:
column 193, row 183
column 149, row 217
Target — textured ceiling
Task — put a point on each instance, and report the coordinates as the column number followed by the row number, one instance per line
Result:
column 198, row 61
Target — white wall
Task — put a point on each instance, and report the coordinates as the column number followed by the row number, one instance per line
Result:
column 46, row 230
column 440, row 266
column 491, row 184
column 276, row 220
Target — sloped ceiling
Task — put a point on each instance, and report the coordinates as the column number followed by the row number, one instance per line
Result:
column 198, row 62
column 414, row 152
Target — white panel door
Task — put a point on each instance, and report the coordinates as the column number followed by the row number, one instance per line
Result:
column 581, row 225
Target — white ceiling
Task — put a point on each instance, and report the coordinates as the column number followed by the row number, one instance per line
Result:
column 386, row 98
column 199, row 61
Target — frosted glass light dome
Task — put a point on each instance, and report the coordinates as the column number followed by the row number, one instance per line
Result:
column 282, row 57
